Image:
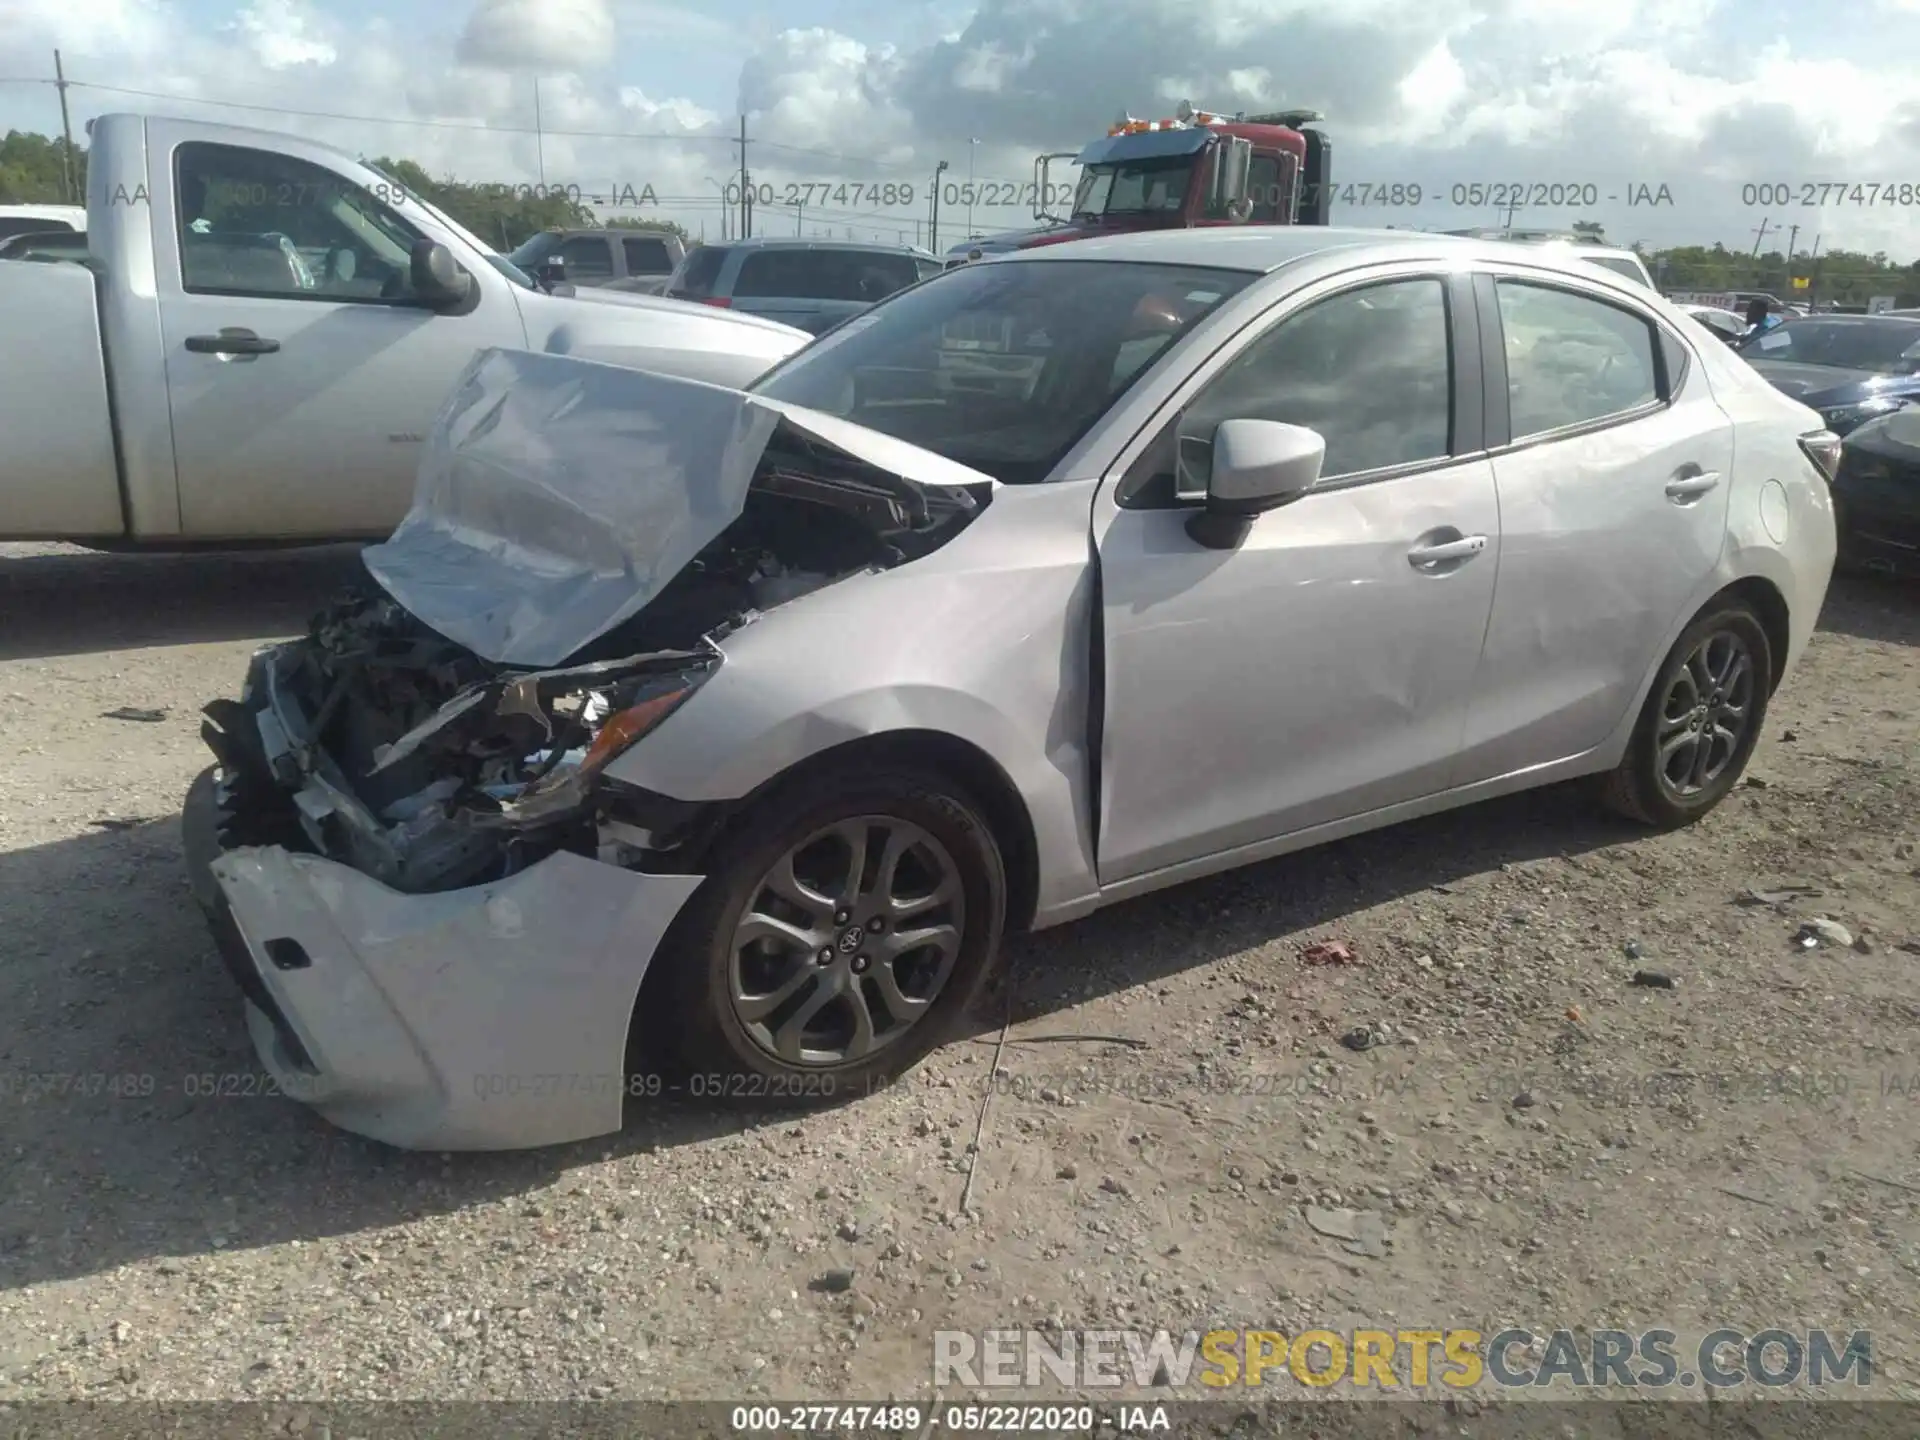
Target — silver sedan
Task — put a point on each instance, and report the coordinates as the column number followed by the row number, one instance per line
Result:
column 698, row 741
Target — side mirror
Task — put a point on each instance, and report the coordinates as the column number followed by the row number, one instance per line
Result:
column 550, row 272
column 1232, row 164
column 1258, row 465
column 437, row 280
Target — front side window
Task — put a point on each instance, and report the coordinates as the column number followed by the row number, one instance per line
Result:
column 1003, row 367
column 1368, row 369
column 256, row 222
column 1571, row 358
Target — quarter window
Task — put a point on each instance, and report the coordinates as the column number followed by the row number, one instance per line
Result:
column 1572, row 359
column 1370, row 369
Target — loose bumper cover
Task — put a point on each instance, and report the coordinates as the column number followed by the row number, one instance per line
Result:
column 488, row 1018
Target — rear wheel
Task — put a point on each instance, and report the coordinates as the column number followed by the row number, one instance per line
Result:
column 1700, row 722
column 847, row 923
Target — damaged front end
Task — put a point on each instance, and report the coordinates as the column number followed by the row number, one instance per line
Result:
column 379, row 744
column 582, row 540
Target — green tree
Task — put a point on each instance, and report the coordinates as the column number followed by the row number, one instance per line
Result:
column 31, row 173
column 502, row 215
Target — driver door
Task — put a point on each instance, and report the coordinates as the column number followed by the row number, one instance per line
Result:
column 1322, row 669
column 320, row 436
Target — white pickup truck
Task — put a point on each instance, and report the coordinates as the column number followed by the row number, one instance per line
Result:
column 260, row 338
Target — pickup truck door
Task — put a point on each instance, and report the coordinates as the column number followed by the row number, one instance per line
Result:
column 301, row 374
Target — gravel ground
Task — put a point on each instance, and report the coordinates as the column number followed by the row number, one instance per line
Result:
column 1543, row 1141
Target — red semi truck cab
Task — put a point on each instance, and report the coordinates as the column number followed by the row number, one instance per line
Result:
column 1196, row 168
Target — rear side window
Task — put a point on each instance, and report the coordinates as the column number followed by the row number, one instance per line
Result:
column 1572, row 359
column 647, row 257
column 587, row 257
column 826, row 274
column 696, row 275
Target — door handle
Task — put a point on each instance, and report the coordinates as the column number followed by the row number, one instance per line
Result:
column 1690, row 487
column 1465, row 548
column 233, row 341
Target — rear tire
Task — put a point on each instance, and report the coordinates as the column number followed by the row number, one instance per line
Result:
column 797, row 976
column 1700, row 722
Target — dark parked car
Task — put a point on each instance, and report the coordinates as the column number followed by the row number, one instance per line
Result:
column 811, row 284
column 1851, row 368
column 612, row 259
column 1876, row 494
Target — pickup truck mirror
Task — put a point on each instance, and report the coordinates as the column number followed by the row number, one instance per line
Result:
column 551, row 271
column 1257, row 465
column 1232, row 167
column 437, row 278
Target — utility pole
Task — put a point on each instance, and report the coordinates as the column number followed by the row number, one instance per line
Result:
column 799, row 214
column 1758, row 236
column 66, row 128
column 1813, row 274
column 746, row 184
column 973, row 144
column 934, row 224
column 539, row 136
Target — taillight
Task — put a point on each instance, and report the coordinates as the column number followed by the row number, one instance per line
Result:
column 1822, row 447
column 717, row 301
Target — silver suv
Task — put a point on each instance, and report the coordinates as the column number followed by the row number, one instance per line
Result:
column 811, row 284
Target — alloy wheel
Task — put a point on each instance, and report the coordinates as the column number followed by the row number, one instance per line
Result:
column 847, row 942
column 1705, row 715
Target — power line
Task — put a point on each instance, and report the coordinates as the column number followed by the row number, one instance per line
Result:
column 481, row 126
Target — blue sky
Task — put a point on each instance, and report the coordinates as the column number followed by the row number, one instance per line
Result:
column 1700, row 95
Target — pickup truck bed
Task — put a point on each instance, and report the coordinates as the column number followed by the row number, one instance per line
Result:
column 70, row 467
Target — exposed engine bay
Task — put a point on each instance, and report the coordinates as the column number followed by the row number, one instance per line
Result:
column 381, row 743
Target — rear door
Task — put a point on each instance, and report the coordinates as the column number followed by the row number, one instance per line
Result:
column 1614, row 483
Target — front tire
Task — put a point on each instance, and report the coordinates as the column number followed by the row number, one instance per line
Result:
column 848, row 921
column 1700, row 722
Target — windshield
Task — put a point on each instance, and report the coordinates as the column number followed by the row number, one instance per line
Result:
column 1889, row 347
column 1136, row 187
column 1002, row 367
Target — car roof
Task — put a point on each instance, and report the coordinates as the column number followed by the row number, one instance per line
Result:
column 1260, row 249
column 806, row 242
column 1912, row 317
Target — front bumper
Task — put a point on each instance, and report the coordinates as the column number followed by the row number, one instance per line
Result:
column 488, row 1018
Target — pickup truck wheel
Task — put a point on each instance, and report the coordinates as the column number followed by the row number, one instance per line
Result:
column 847, row 923
column 1700, row 722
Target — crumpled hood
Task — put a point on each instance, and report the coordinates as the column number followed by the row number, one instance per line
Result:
column 558, row 496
